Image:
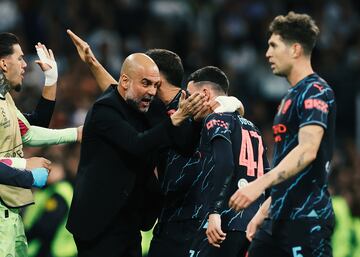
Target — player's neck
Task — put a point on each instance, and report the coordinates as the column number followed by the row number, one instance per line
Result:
column 300, row 70
column 166, row 93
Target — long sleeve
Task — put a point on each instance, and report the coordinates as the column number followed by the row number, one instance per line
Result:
column 14, row 177
column 223, row 173
column 42, row 114
column 122, row 135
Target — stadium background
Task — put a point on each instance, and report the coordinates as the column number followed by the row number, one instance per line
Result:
column 230, row 34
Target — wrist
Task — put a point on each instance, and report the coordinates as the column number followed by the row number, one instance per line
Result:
column 51, row 77
column 177, row 118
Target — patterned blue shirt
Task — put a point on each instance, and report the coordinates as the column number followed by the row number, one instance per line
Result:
column 310, row 102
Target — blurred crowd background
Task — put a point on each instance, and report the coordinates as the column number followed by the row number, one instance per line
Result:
column 230, row 34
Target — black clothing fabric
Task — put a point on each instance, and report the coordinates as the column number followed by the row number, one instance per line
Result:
column 115, row 243
column 116, row 163
column 308, row 237
column 234, row 245
column 42, row 114
column 173, row 238
column 14, row 177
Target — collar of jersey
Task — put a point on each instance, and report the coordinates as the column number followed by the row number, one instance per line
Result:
column 301, row 82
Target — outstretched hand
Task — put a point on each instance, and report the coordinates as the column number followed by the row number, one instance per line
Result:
column 46, row 57
column 47, row 63
column 82, row 48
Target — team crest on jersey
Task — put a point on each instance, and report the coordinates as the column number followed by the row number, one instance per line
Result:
column 284, row 106
column 242, row 183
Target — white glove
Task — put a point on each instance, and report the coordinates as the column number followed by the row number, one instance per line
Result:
column 51, row 75
column 229, row 104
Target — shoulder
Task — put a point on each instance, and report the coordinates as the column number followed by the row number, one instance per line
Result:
column 225, row 119
column 317, row 86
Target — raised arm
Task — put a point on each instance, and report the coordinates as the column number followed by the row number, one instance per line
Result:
column 103, row 78
column 43, row 112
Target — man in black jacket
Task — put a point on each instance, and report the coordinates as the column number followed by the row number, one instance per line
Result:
column 106, row 214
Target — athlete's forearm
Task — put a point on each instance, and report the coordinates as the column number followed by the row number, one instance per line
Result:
column 298, row 158
column 102, row 76
column 265, row 207
column 37, row 136
column 49, row 92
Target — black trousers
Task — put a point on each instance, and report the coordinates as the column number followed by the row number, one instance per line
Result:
column 111, row 244
column 173, row 239
column 234, row 245
column 298, row 238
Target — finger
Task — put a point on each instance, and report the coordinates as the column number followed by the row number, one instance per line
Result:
column 198, row 108
column 248, row 236
column 192, row 97
column 183, row 95
column 87, row 49
column 51, row 54
column 212, row 237
column 76, row 40
column 198, row 97
column 46, row 51
column 41, row 54
column 220, row 233
column 232, row 200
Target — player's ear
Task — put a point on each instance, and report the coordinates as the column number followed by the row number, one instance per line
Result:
column 296, row 50
column 3, row 65
column 207, row 93
column 124, row 81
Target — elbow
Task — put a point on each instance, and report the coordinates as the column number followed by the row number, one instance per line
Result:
column 311, row 154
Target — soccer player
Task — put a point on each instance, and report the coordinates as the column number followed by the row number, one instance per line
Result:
column 15, row 131
column 231, row 154
column 300, row 210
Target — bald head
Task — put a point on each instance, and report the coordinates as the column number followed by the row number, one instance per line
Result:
column 139, row 80
column 138, row 61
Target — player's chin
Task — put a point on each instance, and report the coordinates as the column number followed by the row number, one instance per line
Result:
column 17, row 87
column 144, row 106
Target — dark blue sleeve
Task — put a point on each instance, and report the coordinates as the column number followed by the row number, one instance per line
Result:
column 222, row 173
column 42, row 114
column 14, row 177
column 217, row 125
column 314, row 105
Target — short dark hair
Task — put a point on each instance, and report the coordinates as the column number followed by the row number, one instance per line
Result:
column 169, row 64
column 295, row 27
column 211, row 74
column 7, row 41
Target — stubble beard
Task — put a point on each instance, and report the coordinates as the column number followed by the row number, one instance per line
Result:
column 135, row 105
